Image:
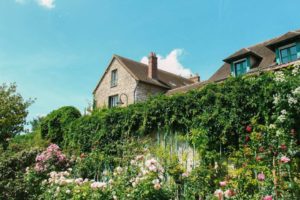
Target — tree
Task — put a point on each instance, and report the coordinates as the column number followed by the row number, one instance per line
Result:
column 13, row 113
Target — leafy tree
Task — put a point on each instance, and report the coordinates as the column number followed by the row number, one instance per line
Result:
column 13, row 113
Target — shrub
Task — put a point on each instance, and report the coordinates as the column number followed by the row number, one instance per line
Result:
column 12, row 171
column 56, row 124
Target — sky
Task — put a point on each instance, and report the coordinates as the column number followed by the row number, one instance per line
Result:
column 56, row 50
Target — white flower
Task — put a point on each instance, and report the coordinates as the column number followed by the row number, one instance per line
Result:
column 284, row 112
column 292, row 100
column 295, row 71
column 68, row 191
column 133, row 162
column 115, row 197
column 105, row 173
column 276, row 99
column 279, row 76
column 155, row 181
column 101, row 185
column 119, row 170
column 279, row 133
column 218, row 193
column 134, row 184
column 281, row 118
column 272, row 126
column 296, row 91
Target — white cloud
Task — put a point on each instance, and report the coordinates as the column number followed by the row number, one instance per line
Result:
column 49, row 4
column 171, row 63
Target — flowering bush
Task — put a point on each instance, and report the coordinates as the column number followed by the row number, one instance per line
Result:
column 50, row 159
column 143, row 179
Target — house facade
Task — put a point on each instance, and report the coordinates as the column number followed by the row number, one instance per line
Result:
column 126, row 82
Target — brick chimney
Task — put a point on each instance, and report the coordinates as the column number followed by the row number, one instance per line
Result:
column 152, row 67
column 196, row 78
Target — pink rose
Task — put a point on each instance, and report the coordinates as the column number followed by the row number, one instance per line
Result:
column 261, row 177
column 285, row 159
column 229, row 193
column 269, row 197
column 223, row 183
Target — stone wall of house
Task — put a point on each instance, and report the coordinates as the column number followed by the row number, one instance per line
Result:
column 144, row 91
column 126, row 85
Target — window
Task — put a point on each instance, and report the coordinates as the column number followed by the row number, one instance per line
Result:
column 288, row 53
column 114, row 78
column 113, row 101
column 240, row 67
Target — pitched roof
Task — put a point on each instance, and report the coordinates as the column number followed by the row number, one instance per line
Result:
column 283, row 38
column 187, row 88
column 262, row 50
column 139, row 71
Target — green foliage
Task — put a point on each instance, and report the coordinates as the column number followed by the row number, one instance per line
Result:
column 56, row 124
column 13, row 167
column 13, row 113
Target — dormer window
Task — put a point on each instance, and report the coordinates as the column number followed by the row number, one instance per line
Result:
column 240, row 67
column 288, row 53
column 114, row 78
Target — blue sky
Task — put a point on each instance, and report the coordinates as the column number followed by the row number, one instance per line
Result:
column 56, row 50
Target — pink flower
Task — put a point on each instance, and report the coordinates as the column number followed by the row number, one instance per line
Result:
column 261, row 177
column 269, row 197
column 283, row 147
column 229, row 193
column 285, row 159
column 223, row 183
column 249, row 129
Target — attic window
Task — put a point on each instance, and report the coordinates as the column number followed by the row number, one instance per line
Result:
column 239, row 67
column 288, row 53
column 114, row 78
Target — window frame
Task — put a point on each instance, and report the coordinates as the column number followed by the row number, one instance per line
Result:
column 240, row 61
column 288, row 46
column 112, row 104
column 114, row 78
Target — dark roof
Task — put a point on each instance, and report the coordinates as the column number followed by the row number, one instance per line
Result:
column 283, row 39
column 240, row 54
column 262, row 50
column 187, row 88
column 139, row 71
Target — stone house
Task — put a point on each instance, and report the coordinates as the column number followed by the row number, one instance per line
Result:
column 126, row 82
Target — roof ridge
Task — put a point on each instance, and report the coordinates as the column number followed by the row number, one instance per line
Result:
column 147, row 66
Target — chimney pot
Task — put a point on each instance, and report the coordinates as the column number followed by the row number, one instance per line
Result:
column 152, row 67
column 195, row 78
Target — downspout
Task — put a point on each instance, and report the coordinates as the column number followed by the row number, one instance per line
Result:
column 134, row 92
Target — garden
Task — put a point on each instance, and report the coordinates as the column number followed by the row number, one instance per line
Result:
column 238, row 139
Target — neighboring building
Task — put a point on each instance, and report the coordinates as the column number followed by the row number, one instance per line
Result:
column 126, row 81
column 273, row 54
